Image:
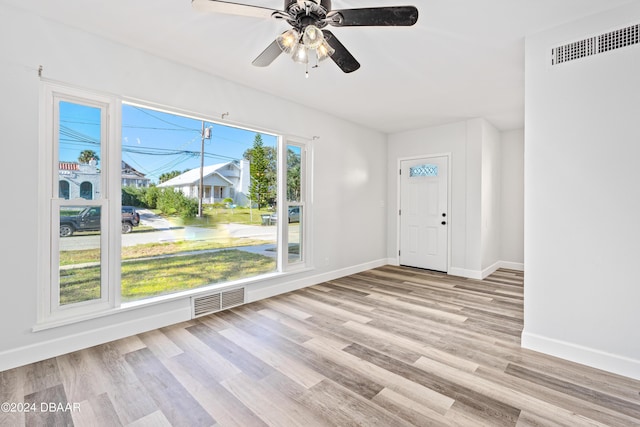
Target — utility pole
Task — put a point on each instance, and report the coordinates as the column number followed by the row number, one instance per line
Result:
column 205, row 134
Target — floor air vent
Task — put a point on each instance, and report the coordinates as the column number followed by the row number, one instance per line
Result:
column 207, row 304
column 597, row 44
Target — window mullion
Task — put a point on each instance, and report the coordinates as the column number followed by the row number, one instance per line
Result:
column 113, row 187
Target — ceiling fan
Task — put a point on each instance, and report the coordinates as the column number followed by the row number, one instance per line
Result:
column 308, row 18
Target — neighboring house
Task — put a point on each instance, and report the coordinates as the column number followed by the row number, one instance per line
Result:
column 221, row 181
column 82, row 180
column 78, row 180
column 133, row 178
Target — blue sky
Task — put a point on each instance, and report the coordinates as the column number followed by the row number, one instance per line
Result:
column 154, row 142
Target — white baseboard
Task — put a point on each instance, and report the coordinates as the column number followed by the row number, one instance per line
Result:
column 482, row 274
column 463, row 272
column 44, row 350
column 491, row 269
column 518, row 266
column 281, row 288
column 598, row 359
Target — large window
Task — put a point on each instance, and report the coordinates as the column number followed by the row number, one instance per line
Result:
column 211, row 185
column 218, row 203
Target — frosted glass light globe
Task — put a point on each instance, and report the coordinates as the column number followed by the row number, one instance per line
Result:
column 312, row 37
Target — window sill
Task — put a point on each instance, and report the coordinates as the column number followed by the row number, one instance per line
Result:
column 56, row 322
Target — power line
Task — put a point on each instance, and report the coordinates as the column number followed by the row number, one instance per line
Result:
column 80, row 123
column 76, row 122
column 144, row 111
column 72, row 133
column 156, row 128
column 151, row 151
column 180, row 129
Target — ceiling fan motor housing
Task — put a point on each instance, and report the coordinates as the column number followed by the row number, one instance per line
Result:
column 307, row 12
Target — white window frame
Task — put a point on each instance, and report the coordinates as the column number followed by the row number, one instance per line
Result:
column 304, row 203
column 50, row 310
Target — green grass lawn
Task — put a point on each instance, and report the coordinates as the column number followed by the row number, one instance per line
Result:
column 211, row 216
column 156, row 249
column 160, row 268
column 163, row 275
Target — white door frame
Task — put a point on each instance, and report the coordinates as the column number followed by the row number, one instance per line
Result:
column 399, row 161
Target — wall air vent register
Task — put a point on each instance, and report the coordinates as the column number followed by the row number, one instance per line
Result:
column 212, row 303
column 597, row 44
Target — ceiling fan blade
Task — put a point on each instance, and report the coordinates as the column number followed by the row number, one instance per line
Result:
column 374, row 16
column 341, row 56
column 230, row 8
column 268, row 55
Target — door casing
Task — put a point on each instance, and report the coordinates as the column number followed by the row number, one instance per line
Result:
column 450, row 215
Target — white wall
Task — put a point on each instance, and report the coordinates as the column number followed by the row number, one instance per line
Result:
column 424, row 142
column 582, row 198
column 343, row 241
column 475, row 147
column 472, row 266
column 512, row 200
column 491, row 195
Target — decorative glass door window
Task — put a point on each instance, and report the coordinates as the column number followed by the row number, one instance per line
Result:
column 423, row 170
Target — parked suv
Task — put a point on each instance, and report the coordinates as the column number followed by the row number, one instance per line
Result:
column 293, row 215
column 89, row 220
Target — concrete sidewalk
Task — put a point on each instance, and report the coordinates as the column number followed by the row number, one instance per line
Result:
column 240, row 231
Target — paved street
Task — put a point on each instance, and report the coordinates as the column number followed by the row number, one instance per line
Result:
column 164, row 232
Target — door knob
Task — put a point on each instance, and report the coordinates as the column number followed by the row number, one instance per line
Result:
column 444, row 223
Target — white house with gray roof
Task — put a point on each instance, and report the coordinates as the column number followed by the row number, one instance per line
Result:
column 221, row 181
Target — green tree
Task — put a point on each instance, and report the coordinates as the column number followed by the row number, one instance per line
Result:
column 151, row 195
column 171, row 201
column 271, row 154
column 271, row 173
column 262, row 171
column 293, row 176
column 132, row 196
column 166, row 176
column 87, row 155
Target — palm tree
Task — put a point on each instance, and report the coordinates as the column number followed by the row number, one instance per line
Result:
column 87, row 155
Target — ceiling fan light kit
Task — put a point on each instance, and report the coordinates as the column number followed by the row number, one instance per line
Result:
column 312, row 37
column 300, row 54
column 324, row 50
column 308, row 18
column 288, row 40
column 302, row 46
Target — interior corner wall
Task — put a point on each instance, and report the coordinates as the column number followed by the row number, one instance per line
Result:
column 512, row 200
column 582, row 203
column 473, row 201
column 340, row 243
column 491, row 195
column 470, row 144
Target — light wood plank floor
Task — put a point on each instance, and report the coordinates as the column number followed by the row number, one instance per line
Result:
column 391, row 346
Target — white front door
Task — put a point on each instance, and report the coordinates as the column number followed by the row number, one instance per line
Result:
column 424, row 216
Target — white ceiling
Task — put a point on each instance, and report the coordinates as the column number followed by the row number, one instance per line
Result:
column 463, row 59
